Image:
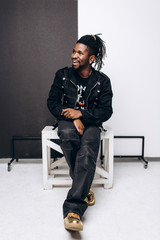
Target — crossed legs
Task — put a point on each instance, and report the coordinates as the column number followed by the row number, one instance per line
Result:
column 81, row 155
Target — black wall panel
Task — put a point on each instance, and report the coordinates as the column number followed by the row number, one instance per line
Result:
column 36, row 39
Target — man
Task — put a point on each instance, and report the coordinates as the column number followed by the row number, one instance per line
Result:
column 81, row 99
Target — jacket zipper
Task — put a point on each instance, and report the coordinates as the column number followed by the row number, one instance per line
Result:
column 90, row 94
column 77, row 92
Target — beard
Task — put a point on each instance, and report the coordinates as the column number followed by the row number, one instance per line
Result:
column 79, row 68
column 76, row 68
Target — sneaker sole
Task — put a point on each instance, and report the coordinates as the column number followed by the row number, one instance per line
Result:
column 73, row 228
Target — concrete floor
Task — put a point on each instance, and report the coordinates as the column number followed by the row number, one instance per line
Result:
column 128, row 211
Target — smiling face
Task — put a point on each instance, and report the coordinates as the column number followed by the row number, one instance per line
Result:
column 80, row 57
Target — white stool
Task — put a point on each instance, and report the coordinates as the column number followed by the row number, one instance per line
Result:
column 53, row 176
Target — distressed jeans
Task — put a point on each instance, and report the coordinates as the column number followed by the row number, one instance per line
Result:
column 81, row 155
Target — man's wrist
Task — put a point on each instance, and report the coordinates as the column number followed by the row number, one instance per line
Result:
column 80, row 113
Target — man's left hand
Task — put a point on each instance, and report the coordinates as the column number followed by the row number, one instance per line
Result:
column 71, row 113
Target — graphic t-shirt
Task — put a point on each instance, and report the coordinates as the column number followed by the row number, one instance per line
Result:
column 82, row 84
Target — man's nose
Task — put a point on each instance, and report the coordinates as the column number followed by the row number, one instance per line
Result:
column 74, row 55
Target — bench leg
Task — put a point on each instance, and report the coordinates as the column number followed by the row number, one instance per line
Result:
column 47, row 186
column 108, row 161
column 45, row 153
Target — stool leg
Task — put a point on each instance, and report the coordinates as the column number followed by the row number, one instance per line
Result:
column 108, row 161
column 49, row 159
column 45, row 153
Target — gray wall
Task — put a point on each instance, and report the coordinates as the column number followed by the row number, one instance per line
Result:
column 37, row 38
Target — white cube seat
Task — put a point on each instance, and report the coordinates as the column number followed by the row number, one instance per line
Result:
column 57, row 173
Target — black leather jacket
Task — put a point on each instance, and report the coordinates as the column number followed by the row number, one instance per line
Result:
column 63, row 94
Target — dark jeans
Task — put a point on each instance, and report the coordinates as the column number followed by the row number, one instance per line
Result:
column 81, row 155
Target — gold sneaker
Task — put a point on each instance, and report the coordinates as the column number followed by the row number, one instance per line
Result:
column 73, row 222
column 90, row 199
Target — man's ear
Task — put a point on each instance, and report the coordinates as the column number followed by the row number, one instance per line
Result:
column 91, row 59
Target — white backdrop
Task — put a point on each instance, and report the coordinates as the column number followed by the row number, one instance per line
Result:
column 131, row 30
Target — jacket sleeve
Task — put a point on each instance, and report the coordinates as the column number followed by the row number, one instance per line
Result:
column 102, row 110
column 54, row 101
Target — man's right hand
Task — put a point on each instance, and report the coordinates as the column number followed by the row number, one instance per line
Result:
column 79, row 126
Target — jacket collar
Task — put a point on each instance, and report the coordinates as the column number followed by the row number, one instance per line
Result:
column 94, row 75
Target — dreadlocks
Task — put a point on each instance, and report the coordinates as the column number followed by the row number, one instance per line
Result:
column 96, row 47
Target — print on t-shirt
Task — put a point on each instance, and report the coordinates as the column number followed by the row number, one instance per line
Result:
column 81, row 100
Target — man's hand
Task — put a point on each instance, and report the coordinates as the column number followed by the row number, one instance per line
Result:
column 71, row 113
column 79, row 126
